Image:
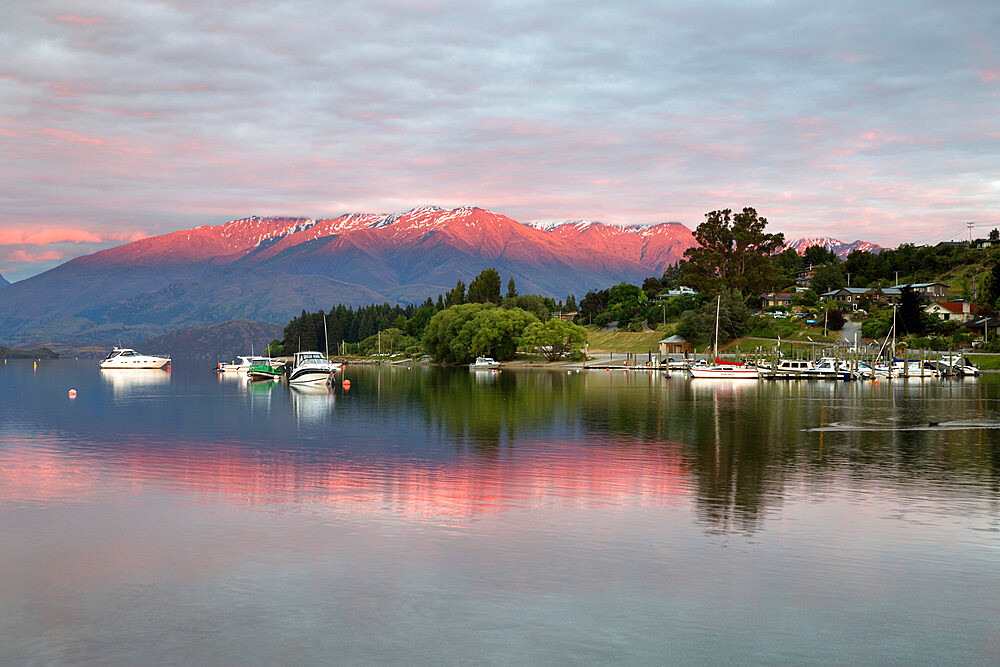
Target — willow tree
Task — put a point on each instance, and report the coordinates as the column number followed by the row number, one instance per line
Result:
column 733, row 252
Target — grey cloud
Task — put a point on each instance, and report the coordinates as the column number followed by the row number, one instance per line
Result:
column 635, row 111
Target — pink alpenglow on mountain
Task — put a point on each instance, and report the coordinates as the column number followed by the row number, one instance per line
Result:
column 270, row 269
column 839, row 248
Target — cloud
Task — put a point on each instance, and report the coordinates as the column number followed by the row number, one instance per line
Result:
column 46, row 236
column 167, row 115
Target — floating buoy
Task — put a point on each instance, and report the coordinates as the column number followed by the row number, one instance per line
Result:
column 347, row 384
column 72, row 393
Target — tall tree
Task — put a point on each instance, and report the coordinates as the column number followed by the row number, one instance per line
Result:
column 511, row 288
column 456, row 297
column 485, row 288
column 733, row 252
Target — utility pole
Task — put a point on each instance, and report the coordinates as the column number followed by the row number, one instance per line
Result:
column 970, row 225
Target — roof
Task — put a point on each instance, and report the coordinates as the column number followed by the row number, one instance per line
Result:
column 957, row 307
column 674, row 339
column 918, row 285
column 892, row 291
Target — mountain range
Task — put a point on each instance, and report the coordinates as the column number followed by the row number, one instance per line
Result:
column 3, row 282
column 839, row 248
column 270, row 269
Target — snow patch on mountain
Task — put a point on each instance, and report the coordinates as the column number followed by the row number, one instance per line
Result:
column 838, row 247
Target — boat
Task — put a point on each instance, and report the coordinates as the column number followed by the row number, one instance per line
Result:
column 722, row 369
column 484, row 362
column 311, row 368
column 243, row 365
column 958, row 365
column 126, row 357
column 268, row 370
column 827, row 368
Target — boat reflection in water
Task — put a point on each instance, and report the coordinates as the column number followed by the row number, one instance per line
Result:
column 134, row 380
column 312, row 404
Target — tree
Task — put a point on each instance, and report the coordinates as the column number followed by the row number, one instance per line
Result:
column 817, row 255
column 733, row 252
column 835, row 319
column 485, row 288
column 828, row 278
column 456, row 296
column 995, row 234
column 555, row 338
column 461, row 333
column 789, row 262
column 274, row 349
column 910, row 311
column 571, row 304
column 652, row 287
column 734, row 319
column 511, row 288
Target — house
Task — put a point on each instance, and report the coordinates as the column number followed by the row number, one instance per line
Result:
column 680, row 291
column 772, row 299
column 566, row 317
column 955, row 311
column 986, row 327
column 930, row 291
column 674, row 345
column 850, row 296
column 986, row 243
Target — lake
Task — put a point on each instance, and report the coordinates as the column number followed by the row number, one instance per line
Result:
column 439, row 515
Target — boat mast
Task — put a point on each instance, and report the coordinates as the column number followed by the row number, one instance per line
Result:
column 326, row 339
column 718, row 305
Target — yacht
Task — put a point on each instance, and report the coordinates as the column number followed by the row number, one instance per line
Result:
column 124, row 357
column 311, row 368
column 958, row 365
column 485, row 362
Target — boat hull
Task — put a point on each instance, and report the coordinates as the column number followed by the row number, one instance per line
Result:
column 739, row 373
column 311, row 376
column 138, row 364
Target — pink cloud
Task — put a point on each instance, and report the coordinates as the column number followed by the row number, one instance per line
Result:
column 80, row 20
column 46, row 236
column 72, row 137
column 989, row 75
column 25, row 256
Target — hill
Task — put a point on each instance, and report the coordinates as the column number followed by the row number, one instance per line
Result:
column 222, row 341
column 270, row 269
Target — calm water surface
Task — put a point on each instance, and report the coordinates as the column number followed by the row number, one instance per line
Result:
column 435, row 515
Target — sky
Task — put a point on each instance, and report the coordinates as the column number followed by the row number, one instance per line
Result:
column 121, row 119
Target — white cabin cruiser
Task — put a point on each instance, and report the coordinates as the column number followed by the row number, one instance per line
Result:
column 485, row 362
column 311, row 368
column 242, row 364
column 124, row 357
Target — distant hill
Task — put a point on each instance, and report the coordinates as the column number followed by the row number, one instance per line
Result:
column 24, row 353
column 223, row 341
column 839, row 248
column 270, row 269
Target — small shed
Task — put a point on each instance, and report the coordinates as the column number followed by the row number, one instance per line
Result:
column 674, row 345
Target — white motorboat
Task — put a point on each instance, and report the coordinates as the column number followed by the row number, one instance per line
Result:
column 242, row 364
column 959, row 365
column 827, row 368
column 124, row 357
column 484, row 362
column 312, row 368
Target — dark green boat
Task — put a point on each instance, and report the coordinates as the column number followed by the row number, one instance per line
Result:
column 266, row 372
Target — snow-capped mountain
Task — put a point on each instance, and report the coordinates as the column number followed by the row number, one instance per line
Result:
column 840, row 248
column 3, row 282
column 270, row 269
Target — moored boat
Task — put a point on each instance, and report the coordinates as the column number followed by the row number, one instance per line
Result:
column 484, row 362
column 311, row 368
column 125, row 357
column 242, row 365
column 268, row 370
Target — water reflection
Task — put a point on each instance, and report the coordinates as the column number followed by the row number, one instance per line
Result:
column 134, row 380
column 312, row 404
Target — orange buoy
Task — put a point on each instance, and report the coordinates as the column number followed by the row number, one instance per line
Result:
column 72, row 393
column 347, row 384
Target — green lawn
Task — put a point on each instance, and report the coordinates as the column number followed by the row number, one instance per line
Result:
column 624, row 341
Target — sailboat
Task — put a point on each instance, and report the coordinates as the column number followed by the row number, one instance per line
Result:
column 723, row 369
